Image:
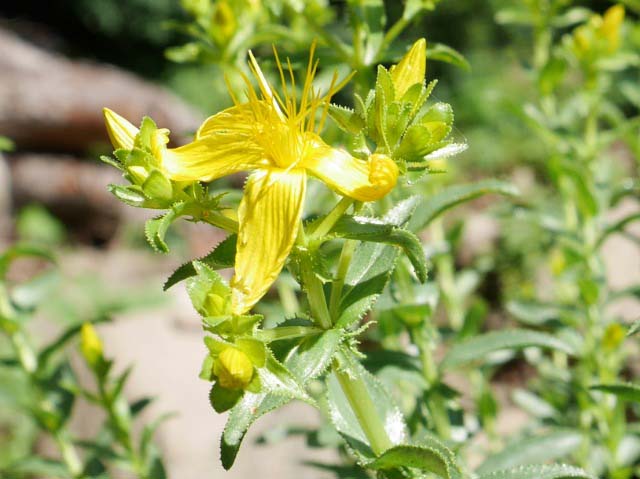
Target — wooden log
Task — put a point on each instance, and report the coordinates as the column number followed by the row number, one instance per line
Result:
column 51, row 103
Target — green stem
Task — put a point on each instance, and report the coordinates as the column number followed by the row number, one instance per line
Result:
column 219, row 220
column 446, row 280
column 348, row 248
column 395, row 30
column 353, row 387
column 359, row 398
column 286, row 332
column 69, row 453
column 329, row 221
column 436, row 403
column 315, row 295
column 331, row 40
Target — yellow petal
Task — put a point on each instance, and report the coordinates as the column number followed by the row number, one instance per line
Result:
column 239, row 120
column 269, row 217
column 121, row 132
column 362, row 180
column 411, row 68
column 224, row 145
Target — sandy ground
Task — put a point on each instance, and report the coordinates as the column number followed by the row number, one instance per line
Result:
column 165, row 345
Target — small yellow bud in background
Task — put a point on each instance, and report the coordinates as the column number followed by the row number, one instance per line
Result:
column 411, row 68
column 223, row 22
column 121, row 132
column 383, row 173
column 610, row 28
column 90, row 345
column 233, row 368
column 613, row 337
column 558, row 262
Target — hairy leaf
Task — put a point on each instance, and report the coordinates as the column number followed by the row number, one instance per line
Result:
column 432, row 207
column 477, row 348
column 556, row 471
column 221, row 257
column 532, row 450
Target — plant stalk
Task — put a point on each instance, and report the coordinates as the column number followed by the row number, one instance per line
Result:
column 357, row 394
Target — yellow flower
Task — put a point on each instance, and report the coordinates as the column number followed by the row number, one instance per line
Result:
column 277, row 139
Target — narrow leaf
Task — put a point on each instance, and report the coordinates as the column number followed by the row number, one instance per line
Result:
column 245, row 413
column 447, row 198
column 556, row 471
column 477, row 348
column 221, row 257
column 371, row 229
column 424, row 458
column 531, row 450
column 626, row 391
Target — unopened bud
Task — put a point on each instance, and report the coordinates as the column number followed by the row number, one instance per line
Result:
column 121, row 132
column 233, row 368
column 90, row 345
column 411, row 68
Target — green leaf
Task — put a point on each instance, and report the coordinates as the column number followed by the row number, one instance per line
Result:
column 347, row 119
column 37, row 466
column 634, row 328
column 130, row 195
column 556, row 471
column 444, row 53
column 451, row 196
column 111, row 161
column 22, row 251
column 6, row 144
column 625, row 391
column 277, row 380
column 148, row 431
column 221, row 257
column 243, row 414
column 618, row 227
column 30, row 294
column 184, row 53
column 157, row 186
column 533, row 312
column 155, row 229
column 374, row 230
column 419, row 457
column 477, row 348
column 223, row 399
column 313, row 355
column 370, row 271
column 208, row 291
column 532, row 450
column 61, row 341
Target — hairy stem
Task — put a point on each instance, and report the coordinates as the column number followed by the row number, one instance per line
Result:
column 359, row 398
column 346, row 254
